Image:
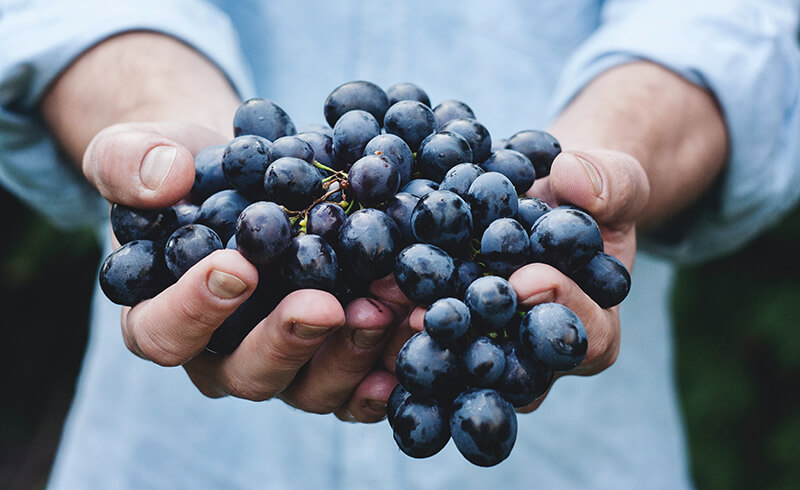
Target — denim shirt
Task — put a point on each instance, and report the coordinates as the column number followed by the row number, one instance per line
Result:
column 516, row 63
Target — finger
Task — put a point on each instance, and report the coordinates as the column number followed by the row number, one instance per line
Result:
column 342, row 362
column 146, row 165
column 174, row 326
column 269, row 358
column 399, row 335
column 390, row 294
column 368, row 403
column 611, row 186
column 540, row 283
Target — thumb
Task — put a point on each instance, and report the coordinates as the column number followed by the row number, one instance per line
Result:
column 146, row 165
column 610, row 185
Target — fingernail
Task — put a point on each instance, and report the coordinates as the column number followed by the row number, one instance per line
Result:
column 309, row 331
column 156, row 165
column 224, row 285
column 593, row 174
column 376, row 405
column 367, row 338
column 543, row 297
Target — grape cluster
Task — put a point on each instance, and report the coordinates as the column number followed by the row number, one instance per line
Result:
column 390, row 186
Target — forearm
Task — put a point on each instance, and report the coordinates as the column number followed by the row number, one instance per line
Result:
column 137, row 76
column 672, row 127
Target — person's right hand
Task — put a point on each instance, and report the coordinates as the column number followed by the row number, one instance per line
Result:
column 309, row 351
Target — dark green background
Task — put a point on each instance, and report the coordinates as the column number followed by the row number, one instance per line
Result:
column 738, row 352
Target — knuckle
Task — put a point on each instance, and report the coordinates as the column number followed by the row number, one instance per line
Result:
column 159, row 349
column 248, row 389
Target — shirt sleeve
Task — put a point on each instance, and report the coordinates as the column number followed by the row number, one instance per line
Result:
column 746, row 54
column 38, row 40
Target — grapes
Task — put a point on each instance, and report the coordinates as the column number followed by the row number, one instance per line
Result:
column 430, row 199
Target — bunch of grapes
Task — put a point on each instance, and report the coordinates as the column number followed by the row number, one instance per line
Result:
column 391, row 186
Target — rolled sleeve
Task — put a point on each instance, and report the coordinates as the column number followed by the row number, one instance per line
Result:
column 38, row 40
column 746, row 54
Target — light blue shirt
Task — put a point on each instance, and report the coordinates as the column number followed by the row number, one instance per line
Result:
column 137, row 425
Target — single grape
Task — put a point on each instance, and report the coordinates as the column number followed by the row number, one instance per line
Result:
column 310, row 262
column 514, row 165
column 396, row 398
column 188, row 246
column 186, row 213
column 220, row 211
column 356, row 95
column 476, row 134
column 605, row 279
column 292, row 182
column 492, row 302
column 352, row 132
column 407, row 91
column 425, row 273
column 440, row 152
column 447, row 321
column 420, row 187
column 290, row 146
column 443, row 219
column 368, row 243
column 466, row 272
column 459, row 178
column 322, row 146
column 208, row 175
column 554, row 335
column 263, row 118
column 399, row 208
column 530, row 209
column 410, row 120
column 540, row 147
column 131, row 224
column 244, row 162
column 483, row 426
column 425, row 368
column 452, row 109
column 396, row 150
column 263, row 232
column 421, row 427
column 491, row 196
column 134, row 272
column 505, row 247
column 324, row 220
column 523, row 379
column 566, row 238
column 484, row 362
column 374, row 179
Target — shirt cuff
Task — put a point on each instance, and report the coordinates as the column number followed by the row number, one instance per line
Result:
column 747, row 55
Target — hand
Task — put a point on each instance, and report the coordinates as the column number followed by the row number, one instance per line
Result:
column 312, row 358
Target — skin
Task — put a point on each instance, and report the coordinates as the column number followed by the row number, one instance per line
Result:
column 641, row 145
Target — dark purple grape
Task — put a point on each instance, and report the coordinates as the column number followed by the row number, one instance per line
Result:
column 396, row 150
column 513, row 165
column 322, row 145
column 483, row 426
column 452, row 109
column 351, row 134
column 357, row 95
column 484, row 362
column 476, row 134
column 263, row 232
column 554, row 335
column 530, row 209
column 131, row 224
column 373, row 179
column 244, row 162
column 310, row 262
column 459, row 178
column 443, row 219
column 134, row 272
column 293, row 183
column 425, row 368
column 399, row 208
column 540, row 147
column 491, row 196
column 605, row 279
column 368, row 243
column 263, row 118
column 492, row 302
column 396, row 398
column 410, row 120
column 220, row 212
column 407, row 91
column 290, row 146
column 316, row 128
column 425, row 273
column 505, row 247
column 447, row 321
column 523, row 379
column 566, row 238
column 324, row 220
column 188, row 245
column 466, row 272
column 440, row 152
column 421, row 427
column 208, row 175
column 420, row 187
column 186, row 213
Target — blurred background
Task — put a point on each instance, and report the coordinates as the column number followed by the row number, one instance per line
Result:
column 738, row 352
